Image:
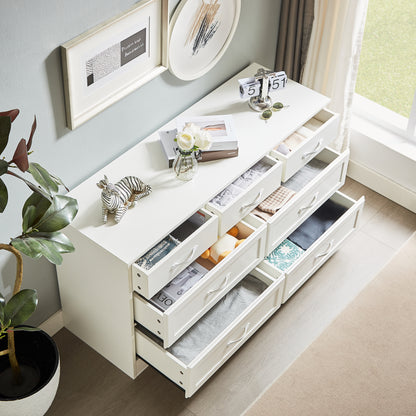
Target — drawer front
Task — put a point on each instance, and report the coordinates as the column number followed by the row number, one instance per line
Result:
column 149, row 282
column 177, row 319
column 305, row 202
column 306, row 151
column 322, row 249
column 249, row 198
column 191, row 377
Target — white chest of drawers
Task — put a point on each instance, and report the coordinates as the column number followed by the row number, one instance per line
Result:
column 104, row 292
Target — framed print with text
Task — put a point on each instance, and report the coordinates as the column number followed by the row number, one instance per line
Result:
column 106, row 63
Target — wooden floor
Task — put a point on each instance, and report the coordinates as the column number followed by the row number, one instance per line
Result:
column 92, row 386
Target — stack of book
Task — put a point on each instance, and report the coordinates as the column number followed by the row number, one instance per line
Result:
column 224, row 141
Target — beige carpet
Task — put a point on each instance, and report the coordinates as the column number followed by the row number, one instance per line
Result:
column 365, row 361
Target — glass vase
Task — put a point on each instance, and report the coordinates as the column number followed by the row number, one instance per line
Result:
column 185, row 165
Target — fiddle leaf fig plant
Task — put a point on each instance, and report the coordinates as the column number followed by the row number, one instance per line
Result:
column 44, row 214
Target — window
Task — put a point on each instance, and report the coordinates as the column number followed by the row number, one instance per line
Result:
column 386, row 81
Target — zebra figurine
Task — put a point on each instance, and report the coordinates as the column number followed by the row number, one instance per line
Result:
column 117, row 198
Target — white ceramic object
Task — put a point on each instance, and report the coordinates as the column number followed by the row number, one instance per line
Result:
column 194, row 49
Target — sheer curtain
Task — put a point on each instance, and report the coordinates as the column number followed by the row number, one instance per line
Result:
column 333, row 56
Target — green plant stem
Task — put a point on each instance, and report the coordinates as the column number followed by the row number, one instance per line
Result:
column 10, row 334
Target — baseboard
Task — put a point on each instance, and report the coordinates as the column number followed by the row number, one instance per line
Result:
column 53, row 324
column 382, row 185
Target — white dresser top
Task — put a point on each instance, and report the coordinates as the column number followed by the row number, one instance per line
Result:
column 171, row 200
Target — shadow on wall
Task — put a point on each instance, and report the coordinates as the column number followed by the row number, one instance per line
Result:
column 53, row 68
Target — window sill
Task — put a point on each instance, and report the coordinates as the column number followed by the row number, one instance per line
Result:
column 380, row 158
column 382, row 126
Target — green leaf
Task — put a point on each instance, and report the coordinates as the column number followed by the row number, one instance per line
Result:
column 60, row 213
column 28, row 218
column 2, row 305
column 28, row 245
column 21, row 306
column 36, row 248
column 59, row 182
column 59, row 240
column 26, row 328
column 3, row 167
column 49, row 245
column 33, row 210
column 35, row 188
column 43, row 178
column 4, row 196
column 5, row 126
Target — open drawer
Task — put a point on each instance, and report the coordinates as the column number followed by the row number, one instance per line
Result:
column 306, row 142
column 313, row 185
column 314, row 241
column 220, row 333
column 169, row 319
column 155, row 269
column 247, row 191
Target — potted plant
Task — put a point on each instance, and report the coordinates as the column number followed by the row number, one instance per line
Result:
column 29, row 359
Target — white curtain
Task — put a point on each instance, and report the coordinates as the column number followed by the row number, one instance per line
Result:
column 332, row 61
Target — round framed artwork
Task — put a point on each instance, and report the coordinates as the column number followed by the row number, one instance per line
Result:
column 201, row 31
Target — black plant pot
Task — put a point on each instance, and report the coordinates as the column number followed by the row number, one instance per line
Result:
column 38, row 359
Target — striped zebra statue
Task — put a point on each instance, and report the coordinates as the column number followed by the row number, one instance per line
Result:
column 117, row 198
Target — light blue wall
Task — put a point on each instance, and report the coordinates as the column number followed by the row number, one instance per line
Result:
column 31, row 32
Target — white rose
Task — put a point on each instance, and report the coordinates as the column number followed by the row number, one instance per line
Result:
column 191, row 128
column 203, row 140
column 185, row 141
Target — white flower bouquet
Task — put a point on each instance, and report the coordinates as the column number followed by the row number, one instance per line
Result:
column 193, row 138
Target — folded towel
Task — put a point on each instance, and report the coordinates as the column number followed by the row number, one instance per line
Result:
column 276, row 200
column 301, row 178
column 284, row 255
column 314, row 226
column 261, row 214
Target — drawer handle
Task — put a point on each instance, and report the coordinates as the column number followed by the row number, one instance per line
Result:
column 314, row 151
column 330, row 244
column 241, row 338
column 188, row 258
column 221, row 286
column 254, row 203
column 310, row 205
